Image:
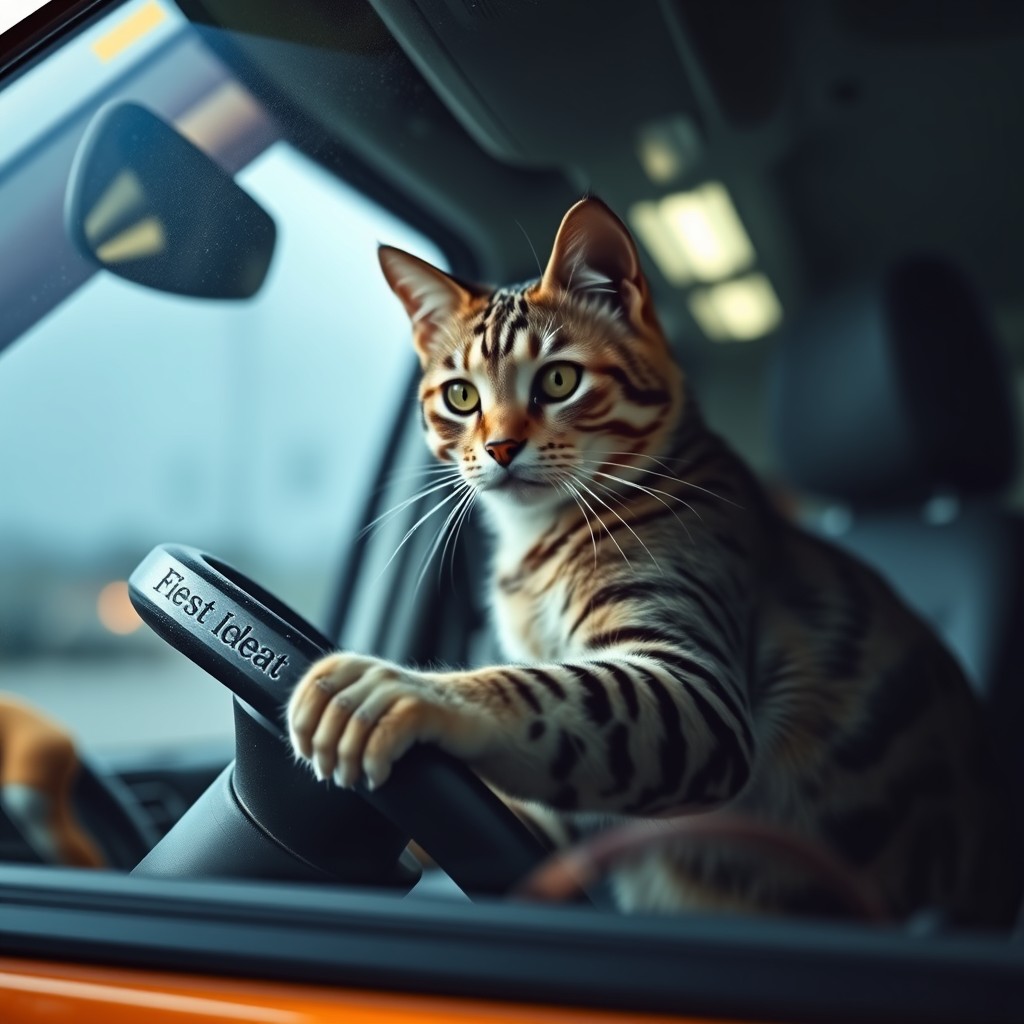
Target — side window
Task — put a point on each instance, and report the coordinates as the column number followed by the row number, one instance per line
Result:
column 252, row 430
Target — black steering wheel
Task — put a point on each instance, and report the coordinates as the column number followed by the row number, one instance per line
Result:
column 266, row 816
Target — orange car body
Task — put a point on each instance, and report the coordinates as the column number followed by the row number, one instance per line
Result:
column 33, row 992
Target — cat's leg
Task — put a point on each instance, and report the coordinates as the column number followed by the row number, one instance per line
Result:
column 636, row 728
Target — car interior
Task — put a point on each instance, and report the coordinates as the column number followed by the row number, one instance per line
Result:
column 204, row 379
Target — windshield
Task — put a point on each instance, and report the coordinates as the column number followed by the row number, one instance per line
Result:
column 130, row 417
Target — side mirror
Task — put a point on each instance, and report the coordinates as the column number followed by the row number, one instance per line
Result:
column 147, row 205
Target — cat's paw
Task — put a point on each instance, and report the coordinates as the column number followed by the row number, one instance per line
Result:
column 353, row 716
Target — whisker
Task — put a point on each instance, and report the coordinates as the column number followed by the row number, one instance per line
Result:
column 400, row 482
column 593, row 539
column 621, row 520
column 611, row 493
column 654, row 492
column 458, row 517
column 415, row 526
column 440, row 535
column 455, row 539
column 422, row 474
column 643, row 455
column 597, row 516
column 410, row 473
column 675, row 479
column 395, row 509
column 696, row 487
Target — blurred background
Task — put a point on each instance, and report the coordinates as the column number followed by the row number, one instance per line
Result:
column 252, row 430
column 764, row 155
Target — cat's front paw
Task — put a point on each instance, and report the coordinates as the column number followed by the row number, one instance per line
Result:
column 352, row 716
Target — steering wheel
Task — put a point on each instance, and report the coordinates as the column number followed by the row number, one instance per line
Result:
column 266, row 816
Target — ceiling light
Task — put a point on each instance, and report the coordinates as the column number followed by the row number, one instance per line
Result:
column 709, row 230
column 694, row 235
column 659, row 240
column 738, row 310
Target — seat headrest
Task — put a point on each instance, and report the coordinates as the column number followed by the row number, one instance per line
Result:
column 894, row 390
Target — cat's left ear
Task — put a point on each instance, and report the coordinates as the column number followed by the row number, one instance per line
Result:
column 594, row 252
column 430, row 296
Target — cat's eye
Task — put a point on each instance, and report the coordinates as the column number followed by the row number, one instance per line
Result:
column 557, row 382
column 460, row 396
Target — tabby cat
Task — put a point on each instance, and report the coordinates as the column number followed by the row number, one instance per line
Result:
column 675, row 646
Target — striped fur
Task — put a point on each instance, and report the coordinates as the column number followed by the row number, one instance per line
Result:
column 674, row 646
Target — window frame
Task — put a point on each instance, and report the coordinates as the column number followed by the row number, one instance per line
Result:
column 44, row 27
column 731, row 966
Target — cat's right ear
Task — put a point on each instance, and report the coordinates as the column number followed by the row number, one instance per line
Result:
column 430, row 296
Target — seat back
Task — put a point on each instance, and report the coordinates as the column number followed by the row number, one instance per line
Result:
column 892, row 405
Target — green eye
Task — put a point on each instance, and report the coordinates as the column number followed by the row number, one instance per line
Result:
column 557, row 381
column 460, row 396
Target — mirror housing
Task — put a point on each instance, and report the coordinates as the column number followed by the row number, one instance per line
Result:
column 144, row 203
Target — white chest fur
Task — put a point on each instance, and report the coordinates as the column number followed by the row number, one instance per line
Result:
column 529, row 626
column 527, row 618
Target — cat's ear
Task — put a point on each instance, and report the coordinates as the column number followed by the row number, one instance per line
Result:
column 594, row 252
column 430, row 296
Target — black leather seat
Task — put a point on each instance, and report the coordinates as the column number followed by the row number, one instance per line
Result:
column 892, row 403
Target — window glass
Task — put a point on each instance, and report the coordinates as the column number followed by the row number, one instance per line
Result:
column 130, row 417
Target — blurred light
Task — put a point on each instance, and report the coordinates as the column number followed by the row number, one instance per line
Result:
column 221, row 118
column 668, row 148
column 660, row 242
column 738, row 310
column 122, row 197
column 695, row 234
column 129, row 31
column 941, row 510
column 836, row 521
column 146, row 238
column 114, row 609
column 709, row 230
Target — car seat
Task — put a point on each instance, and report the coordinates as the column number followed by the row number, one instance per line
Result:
column 892, row 403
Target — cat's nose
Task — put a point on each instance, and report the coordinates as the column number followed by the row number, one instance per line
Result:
column 503, row 452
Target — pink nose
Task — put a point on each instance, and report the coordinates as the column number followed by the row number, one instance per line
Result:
column 503, row 452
